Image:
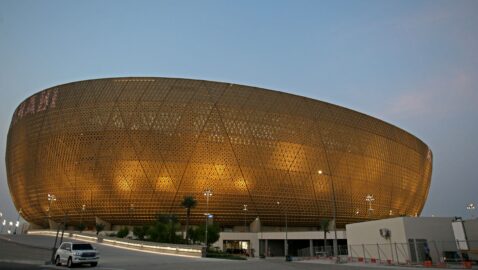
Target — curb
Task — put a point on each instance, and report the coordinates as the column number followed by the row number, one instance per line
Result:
column 30, row 262
column 22, row 244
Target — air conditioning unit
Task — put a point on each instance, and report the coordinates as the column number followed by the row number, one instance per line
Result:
column 385, row 233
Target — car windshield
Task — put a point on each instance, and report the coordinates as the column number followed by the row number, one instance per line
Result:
column 82, row 246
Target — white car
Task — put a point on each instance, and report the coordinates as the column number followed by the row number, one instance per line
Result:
column 76, row 253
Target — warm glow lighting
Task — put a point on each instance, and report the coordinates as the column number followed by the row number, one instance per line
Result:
column 470, row 206
column 207, row 193
column 153, row 156
column 51, row 197
column 369, row 198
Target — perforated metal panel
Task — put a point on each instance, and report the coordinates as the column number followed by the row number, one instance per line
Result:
column 129, row 148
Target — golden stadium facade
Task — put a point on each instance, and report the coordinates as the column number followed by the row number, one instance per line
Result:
column 125, row 149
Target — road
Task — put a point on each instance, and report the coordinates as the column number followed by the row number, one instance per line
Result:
column 30, row 252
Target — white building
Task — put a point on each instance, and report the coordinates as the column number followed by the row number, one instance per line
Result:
column 409, row 239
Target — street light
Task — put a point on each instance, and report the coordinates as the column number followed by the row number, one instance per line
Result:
column 131, row 209
column 245, row 212
column 369, row 198
column 10, row 224
column 286, row 244
column 3, row 224
column 83, row 208
column 51, row 198
column 207, row 193
column 335, row 246
column 471, row 207
column 18, row 221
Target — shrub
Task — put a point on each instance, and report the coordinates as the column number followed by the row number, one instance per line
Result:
column 212, row 233
column 123, row 232
column 140, row 231
column 81, row 227
column 99, row 228
column 164, row 229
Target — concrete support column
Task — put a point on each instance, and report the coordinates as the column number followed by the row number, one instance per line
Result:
column 266, row 250
column 285, row 247
column 311, row 248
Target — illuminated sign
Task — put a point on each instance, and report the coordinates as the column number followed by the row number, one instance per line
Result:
column 35, row 104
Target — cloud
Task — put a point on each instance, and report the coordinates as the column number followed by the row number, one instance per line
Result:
column 438, row 98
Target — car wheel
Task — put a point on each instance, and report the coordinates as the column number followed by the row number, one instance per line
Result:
column 94, row 264
column 57, row 261
column 69, row 263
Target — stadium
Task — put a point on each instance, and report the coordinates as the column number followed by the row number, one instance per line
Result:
column 126, row 149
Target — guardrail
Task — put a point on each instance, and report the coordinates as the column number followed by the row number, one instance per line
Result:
column 161, row 248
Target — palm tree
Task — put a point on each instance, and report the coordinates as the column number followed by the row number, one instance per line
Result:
column 324, row 225
column 188, row 203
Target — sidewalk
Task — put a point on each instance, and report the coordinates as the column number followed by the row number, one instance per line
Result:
column 378, row 265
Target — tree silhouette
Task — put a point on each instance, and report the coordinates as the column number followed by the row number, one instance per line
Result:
column 188, row 202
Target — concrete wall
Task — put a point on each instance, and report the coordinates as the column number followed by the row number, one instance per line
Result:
column 437, row 232
column 364, row 239
column 471, row 230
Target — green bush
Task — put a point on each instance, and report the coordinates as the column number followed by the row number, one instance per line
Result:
column 164, row 229
column 199, row 233
column 81, row 227
column 123, row 232
column 140, row 231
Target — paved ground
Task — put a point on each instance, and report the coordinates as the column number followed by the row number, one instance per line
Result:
column 34, row 250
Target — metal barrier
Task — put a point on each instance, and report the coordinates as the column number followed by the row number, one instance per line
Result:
column 416, row 252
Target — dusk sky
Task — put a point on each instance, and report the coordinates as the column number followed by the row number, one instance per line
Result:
column 413, row 64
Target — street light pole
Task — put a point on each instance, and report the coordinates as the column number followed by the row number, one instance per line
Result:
column 207, row 193
column 83, row 208
column 334, row 212
column 18, row 222
column 286, row 244
column 10, row 227
column 369, row 198
column 131, row 209
column 51, row 199
column 471, row 207
column 245, row 211
column 3, row 224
